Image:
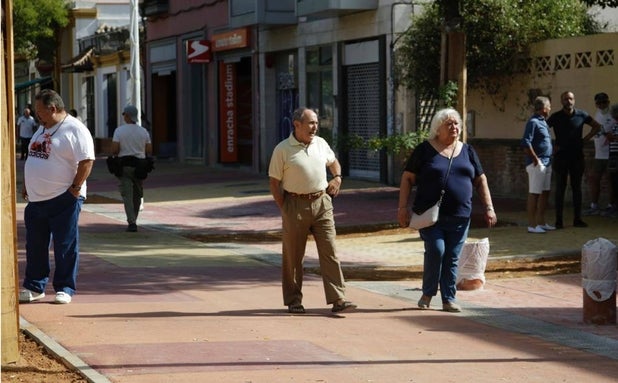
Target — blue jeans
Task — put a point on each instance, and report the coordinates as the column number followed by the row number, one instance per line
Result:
column 443, row 244
column 57, row 219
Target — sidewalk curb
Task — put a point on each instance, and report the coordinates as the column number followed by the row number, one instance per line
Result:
column 62, row 354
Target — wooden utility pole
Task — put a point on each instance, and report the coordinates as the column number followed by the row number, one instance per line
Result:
column 8, row 228
column 456, row 71
column 453, row 55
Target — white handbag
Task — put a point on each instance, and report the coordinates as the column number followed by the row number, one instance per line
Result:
column 428, row 218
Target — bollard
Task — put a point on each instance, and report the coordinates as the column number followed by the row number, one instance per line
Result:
column 599, row 282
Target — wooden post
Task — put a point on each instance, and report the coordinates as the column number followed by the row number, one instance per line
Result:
column 456, row 71
column 10, row 318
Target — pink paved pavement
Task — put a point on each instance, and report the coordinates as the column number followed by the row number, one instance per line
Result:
column 156, row 306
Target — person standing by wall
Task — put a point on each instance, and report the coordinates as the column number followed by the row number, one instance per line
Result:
column 297, row 178
column 131, row 143
column 60, row 159
column 569, row 163
column 612, row 164
column 428, row 167
column 601, row 154
column 27, row 125
column 537, row 145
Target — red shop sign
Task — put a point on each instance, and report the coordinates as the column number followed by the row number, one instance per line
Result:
column 228, row 129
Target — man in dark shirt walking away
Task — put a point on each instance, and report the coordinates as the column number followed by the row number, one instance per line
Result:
column 568, row 124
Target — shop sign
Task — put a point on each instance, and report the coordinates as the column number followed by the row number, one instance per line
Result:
column 238, row 38
column 198, row 51
column 228, row 130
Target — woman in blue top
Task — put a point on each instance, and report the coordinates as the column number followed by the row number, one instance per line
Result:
column 427, row 169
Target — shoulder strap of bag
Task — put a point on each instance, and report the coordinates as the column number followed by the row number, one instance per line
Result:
column 450, row 162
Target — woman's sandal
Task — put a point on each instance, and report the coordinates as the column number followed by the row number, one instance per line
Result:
column 296, row 309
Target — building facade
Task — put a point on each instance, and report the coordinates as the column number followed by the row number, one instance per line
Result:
column 222, row 79
column 94, row 64
column 265, row 59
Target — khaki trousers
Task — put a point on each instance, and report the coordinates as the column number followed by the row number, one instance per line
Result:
column 300, row 218
column 132, row 191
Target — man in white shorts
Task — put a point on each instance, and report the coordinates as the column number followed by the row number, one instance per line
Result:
column 538, row 147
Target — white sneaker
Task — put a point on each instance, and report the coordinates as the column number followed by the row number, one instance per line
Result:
column 62, row 298
column 536, row 230
column 548, row 227
column 27, row 296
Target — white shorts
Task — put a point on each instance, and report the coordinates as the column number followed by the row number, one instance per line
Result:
column 539, row 178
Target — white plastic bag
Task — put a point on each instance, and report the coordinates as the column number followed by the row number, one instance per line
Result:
column 473, row 260
column 599, row 260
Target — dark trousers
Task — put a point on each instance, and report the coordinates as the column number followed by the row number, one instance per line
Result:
column 569, row 166
column 24, row 141
column 132, row 191
column 56, row 218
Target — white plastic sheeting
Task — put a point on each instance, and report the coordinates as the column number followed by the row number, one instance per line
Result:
column 599, row 261
column 473, row 260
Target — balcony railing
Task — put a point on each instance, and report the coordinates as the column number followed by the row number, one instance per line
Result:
column 106, row 42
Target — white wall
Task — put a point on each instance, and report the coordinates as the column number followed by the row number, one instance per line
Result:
column 607, row 15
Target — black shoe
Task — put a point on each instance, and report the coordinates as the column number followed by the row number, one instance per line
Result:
column 579, row 223
column 559, row 225
column 132, row 227
column 296, row 309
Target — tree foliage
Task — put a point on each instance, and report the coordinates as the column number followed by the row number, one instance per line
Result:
column 498, row 35
column 35, row 23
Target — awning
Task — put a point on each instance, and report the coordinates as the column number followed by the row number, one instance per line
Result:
column 28, row 84
column 80, row 63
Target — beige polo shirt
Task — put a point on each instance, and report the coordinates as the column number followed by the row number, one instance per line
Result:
column 301, row 168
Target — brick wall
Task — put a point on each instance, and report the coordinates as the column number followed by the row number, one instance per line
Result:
column 503, row 162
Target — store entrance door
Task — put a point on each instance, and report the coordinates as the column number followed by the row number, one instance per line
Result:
column 164, row 130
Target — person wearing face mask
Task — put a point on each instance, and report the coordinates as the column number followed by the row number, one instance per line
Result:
column 569, row 163
column 443, row 163
column 601, row 155
column 299, row 186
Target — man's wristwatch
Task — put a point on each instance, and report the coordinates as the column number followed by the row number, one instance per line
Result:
column 76, row 187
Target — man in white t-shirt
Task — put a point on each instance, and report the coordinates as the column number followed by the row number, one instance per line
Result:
column 132, row 144
column 27, row 125
column 60, row 159
column 601, row 154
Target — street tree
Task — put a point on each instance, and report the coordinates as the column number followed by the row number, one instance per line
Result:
column 498, row 36
column 35, row 23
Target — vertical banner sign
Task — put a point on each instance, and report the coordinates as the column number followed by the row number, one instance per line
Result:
column 228, row 147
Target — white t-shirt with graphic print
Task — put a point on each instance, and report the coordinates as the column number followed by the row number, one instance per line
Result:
column 53, row 155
